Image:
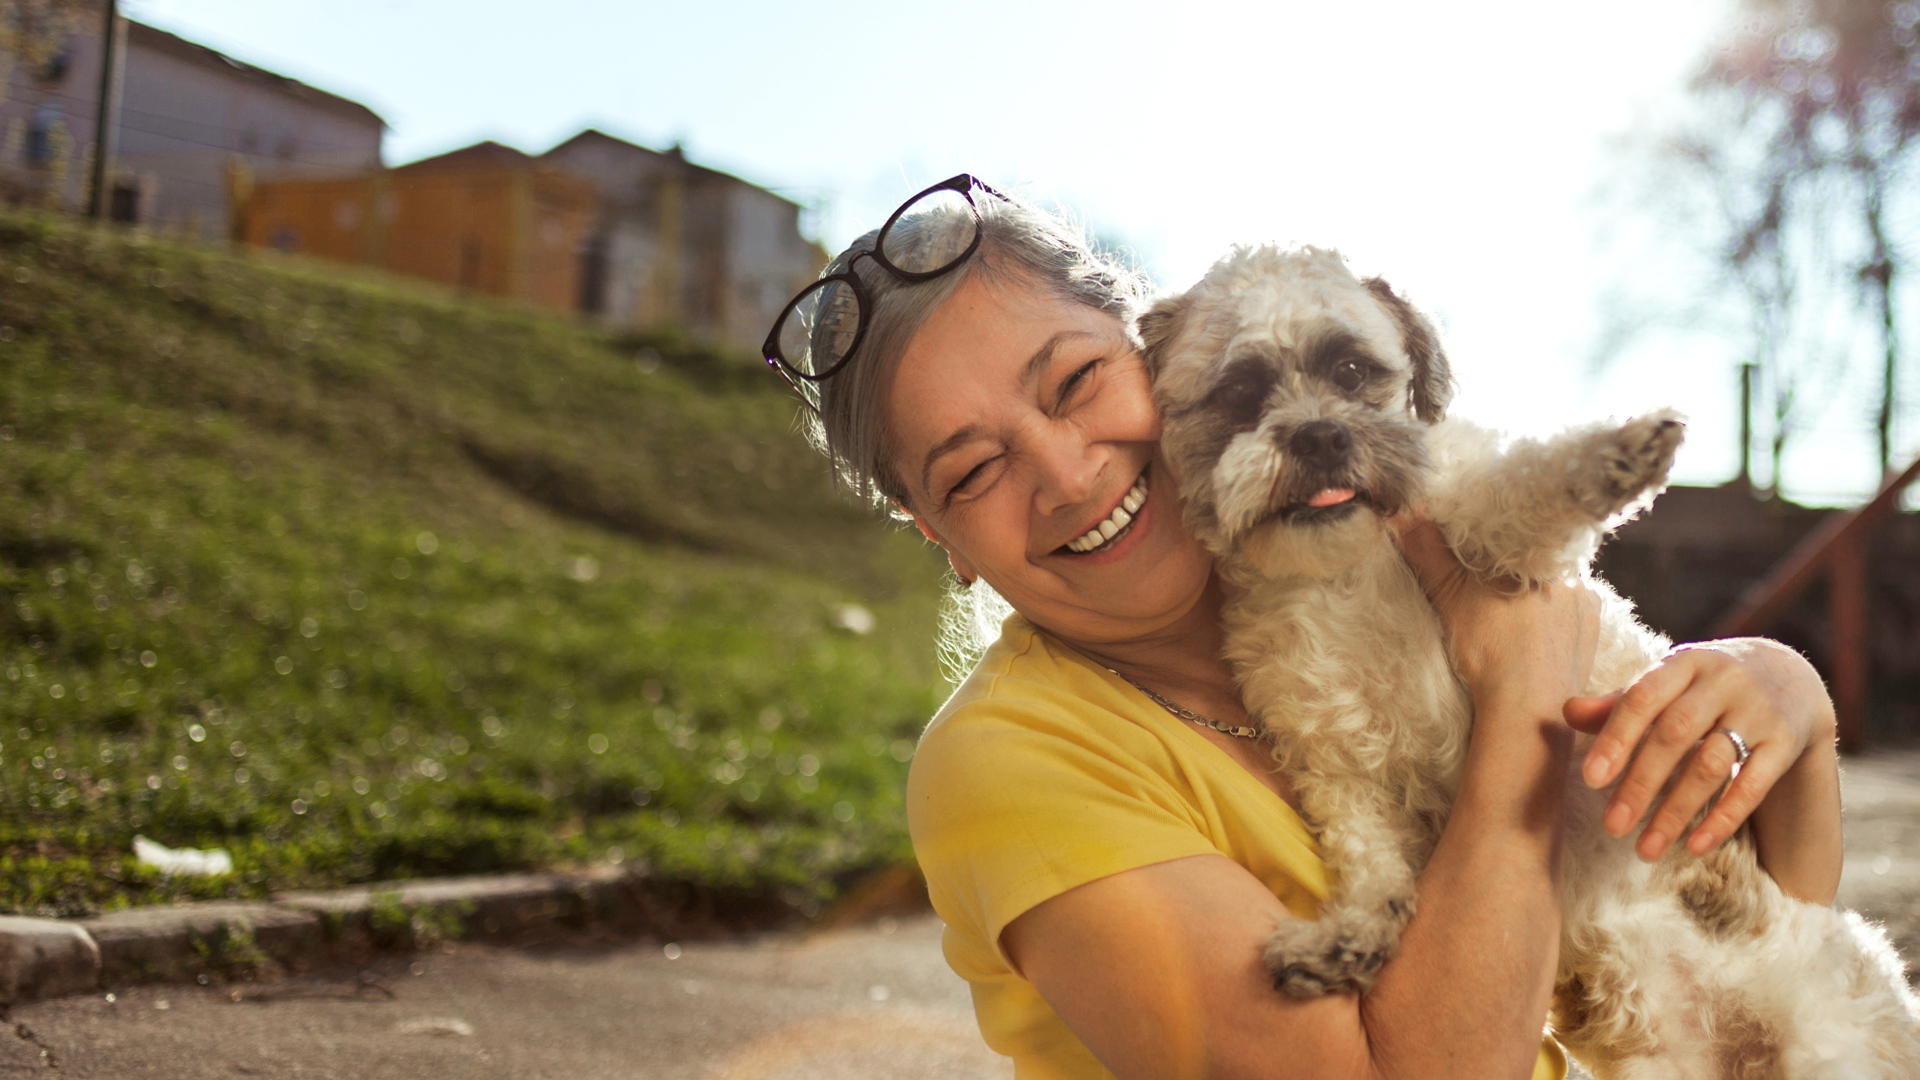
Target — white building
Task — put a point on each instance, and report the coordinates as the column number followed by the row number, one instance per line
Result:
column 683, row 244
column 673, row 243
column 192, row 123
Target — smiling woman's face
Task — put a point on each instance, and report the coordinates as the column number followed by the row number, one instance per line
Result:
column 1023, row 428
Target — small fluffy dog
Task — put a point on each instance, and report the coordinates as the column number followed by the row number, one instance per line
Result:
column 1304, row 406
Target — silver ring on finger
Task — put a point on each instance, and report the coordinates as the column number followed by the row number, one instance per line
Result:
column 1741, row 751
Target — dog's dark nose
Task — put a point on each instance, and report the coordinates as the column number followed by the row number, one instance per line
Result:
column 1322, row 442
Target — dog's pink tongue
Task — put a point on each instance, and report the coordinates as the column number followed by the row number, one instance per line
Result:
column 1331, row 497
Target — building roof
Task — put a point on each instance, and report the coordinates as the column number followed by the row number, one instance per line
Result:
column 673, row 153
column 1727, row 517
column 486, row 152
column 596, row 135
column 143, row 36
column 487, row 159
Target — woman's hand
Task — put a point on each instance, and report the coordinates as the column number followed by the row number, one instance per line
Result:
column 1774, row 699
column 1532, row 649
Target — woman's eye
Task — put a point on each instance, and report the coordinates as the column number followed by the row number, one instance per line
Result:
column 1349, row 375
column 960, row 487
column 1075, row 380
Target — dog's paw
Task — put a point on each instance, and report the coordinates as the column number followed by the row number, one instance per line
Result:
column 1310, row 959
column 1628, row 462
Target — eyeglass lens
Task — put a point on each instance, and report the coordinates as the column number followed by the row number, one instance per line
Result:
column 932, row 233
column 928, row 235
column 821, row 327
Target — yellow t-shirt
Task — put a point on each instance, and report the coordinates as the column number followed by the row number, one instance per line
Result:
column 1045, row 771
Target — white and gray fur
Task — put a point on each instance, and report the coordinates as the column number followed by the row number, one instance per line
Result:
column 1281, row 374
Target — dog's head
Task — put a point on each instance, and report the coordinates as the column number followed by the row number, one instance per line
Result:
column 1295, row 398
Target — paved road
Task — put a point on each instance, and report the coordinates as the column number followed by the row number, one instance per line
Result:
column 868, row 1003
column 1882, row 874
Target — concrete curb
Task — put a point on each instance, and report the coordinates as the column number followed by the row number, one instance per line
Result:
column 43, row 958
column 483, row 906
column 141, row 944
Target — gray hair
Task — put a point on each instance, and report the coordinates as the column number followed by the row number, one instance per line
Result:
column 1018, row 242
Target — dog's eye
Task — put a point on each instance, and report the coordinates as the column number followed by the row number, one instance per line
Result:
column 1239, row 397
column 1349, row 375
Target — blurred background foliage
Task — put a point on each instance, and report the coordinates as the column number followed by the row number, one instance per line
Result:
column 363, row 580
column 1782, row 187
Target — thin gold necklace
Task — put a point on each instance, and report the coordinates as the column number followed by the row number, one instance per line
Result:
column 1184, row 713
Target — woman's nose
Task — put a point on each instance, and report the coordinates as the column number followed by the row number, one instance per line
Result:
column 1068, row 473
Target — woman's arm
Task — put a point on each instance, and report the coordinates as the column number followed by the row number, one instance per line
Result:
column 1790, row 786
column 1157, row 970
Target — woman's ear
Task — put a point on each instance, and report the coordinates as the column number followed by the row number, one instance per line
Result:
column 964, row 569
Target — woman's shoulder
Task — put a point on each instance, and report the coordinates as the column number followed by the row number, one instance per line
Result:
column 1032, row 708
column 1036, row 722
column 1025, row 674
column 1046, row 771
column 1037, row 776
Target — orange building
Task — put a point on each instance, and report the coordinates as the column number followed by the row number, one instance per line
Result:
column 486, row 217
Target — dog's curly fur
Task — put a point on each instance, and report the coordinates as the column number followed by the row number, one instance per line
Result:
column 1283, row 377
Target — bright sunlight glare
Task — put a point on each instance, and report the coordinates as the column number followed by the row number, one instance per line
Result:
column 1461, row 150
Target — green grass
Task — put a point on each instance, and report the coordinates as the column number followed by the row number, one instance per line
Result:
column 362, row 580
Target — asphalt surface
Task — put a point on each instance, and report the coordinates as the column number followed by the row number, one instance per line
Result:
column 873, row 1002
column 1881, row 878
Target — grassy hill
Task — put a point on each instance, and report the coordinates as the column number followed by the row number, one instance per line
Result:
column 360, row 579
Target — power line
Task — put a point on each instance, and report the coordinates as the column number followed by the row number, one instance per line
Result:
column 124, row 127
column 180, row 120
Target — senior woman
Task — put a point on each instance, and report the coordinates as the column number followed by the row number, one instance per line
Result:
column 1101, row 830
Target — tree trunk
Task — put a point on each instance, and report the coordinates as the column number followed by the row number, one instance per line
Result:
column 1877, row 275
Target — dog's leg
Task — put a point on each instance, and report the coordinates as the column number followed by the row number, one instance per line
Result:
column 1343, row 950
column 1536, row 510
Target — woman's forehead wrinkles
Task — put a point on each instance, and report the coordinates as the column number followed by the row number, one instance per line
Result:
column 1043, row 356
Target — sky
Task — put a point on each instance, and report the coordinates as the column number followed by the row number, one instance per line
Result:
column 1466, row 151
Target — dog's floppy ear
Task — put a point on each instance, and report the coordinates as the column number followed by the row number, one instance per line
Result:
column 1431, row 387
column 1159, row 325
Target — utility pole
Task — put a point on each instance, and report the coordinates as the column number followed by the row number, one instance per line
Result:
column 106, row 117
column 1746, row 426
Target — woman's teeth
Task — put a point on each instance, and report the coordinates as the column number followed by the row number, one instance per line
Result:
column 1121, row 517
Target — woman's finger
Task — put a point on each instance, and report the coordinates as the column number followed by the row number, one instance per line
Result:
column 1670, row 737
column 1704, row 774
column 1757, row 777
column 1589, row 714
column 1632, row 715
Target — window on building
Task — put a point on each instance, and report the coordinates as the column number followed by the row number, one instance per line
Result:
column 470, row 261
column 593, row 275
column 125, row 203
column 55, row 70
column 40, row 134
